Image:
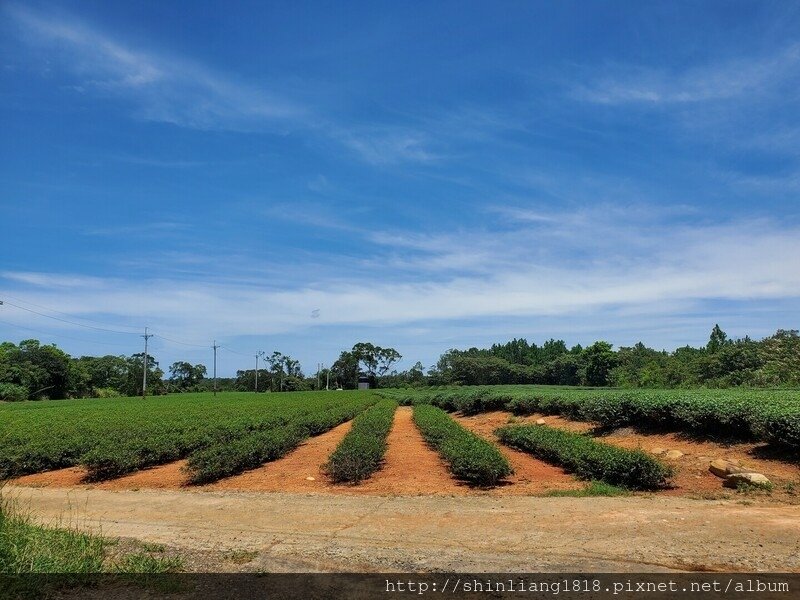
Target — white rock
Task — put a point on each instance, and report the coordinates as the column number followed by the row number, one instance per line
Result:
column 673, row 454
column 756, row 479
column 540, row 421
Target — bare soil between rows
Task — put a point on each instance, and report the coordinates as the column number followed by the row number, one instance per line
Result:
column 412, row 468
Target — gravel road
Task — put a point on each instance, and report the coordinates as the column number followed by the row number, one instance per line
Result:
column 323, row 532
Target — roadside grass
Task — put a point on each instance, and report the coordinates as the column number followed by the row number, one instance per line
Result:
column 26, row 548
column 29, row 548
column 241, row 557
column 145, row 562
column 592, row 489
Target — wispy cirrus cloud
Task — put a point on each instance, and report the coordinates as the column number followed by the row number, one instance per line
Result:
column 158, row 86
column 641, row 272
column 630, row 84
column 577, row 274
column 168, row 88
column 388, row 145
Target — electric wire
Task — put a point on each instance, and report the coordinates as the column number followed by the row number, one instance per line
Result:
column 63, row 337
column 67, row 321
column 104, row 329
column 53, row 310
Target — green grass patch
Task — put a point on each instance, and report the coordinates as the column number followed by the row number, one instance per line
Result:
column 469, row 457
column 587, row 458
column 145, row 562
column 29, row 548
column 361, row 451
column 26, row 547
column 593, row 488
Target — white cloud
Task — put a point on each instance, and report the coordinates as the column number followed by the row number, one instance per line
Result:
column 625, row 84
column 644, row 271
column 162, row 88
column 167, row 88
column 387, row 146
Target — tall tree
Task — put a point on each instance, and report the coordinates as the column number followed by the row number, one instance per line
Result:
column 717, row 340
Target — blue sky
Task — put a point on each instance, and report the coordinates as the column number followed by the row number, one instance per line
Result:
column 303, row 176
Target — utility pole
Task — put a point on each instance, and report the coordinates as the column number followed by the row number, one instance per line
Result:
column 146, row 337
column 256, row 372
column 318, row 367
column 327, row 379
column 215, row 367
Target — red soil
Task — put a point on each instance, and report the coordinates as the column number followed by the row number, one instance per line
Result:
column 410, row 466
column 69, row 477
column 290, row 473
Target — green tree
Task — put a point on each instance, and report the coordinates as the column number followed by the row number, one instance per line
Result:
column 43, row 370
column 780, row 359
column 133, row 380
column 717, row 341
column 598, row 361
column 369, row 359
column 183, row 375
column 105, row 371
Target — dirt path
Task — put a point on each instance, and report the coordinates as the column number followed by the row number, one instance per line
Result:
column 410, row 467
column 292, row 472
column 428, row 533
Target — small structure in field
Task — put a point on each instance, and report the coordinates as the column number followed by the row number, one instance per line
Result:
column 363, row 382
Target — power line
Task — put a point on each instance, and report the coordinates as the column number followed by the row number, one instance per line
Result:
column 147, row 335
column 67, row 321
column 105, row 329
column 64, row 337
column 233, row 351
column 47, row 308
column 161, row 337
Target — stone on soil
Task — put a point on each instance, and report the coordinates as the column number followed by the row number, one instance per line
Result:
column 723, row 468
column 756, row 479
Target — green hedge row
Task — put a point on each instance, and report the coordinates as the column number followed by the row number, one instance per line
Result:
column 113, row 458
column 469, row 457
column 232, row 457
column 766, row 415
column 587, row 458
column 361, row 451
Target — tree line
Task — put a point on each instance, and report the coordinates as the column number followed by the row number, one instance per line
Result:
column 32, row 370
column 723, row 362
